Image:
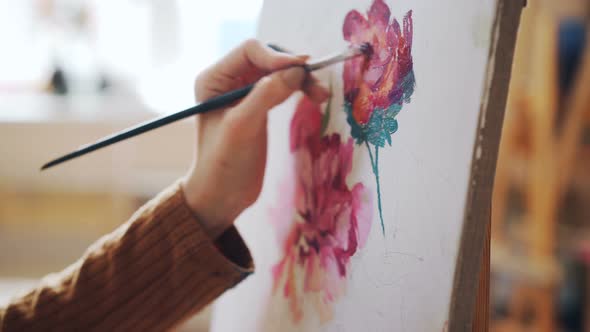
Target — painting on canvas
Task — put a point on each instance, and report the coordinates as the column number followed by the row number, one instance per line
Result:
column 359, row 222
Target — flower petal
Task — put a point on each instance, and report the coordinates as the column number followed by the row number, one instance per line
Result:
column 342, row 225
column 323, row 307
column 373, row 75
column 277, row 273
column 306, row 122
column 331, row 269
column 354, row 27
column 346, row 151
column 362, row 212
column 379, row 14
column 351, row 76
column 363, row 105
column 304, row 168
column 408, row 28
column 405, row 49
column 314, row 276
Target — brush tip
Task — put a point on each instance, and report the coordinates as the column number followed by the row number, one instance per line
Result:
column 366, row 49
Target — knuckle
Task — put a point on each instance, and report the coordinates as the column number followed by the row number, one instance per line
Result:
column 234, row 121
column 241, row 125
column 276, row 62
column 271, row 89
column 200, row 85
column 283, row 84
column 251, row 44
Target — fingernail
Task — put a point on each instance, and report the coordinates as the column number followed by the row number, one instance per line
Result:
column 293, row 77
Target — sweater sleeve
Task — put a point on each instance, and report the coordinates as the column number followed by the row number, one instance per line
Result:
column 150, row 274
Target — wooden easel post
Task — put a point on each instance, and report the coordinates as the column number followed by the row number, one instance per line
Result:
column 481, row 317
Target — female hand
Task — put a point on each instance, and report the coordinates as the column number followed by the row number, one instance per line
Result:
column 228, row 170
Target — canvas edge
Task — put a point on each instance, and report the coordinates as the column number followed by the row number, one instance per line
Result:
column 476, row 219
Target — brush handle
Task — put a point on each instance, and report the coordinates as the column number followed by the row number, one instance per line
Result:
column 204, row 107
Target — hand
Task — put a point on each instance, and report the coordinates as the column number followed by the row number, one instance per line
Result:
column 227, row 174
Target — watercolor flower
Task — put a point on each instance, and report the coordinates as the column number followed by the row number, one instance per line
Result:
column 375, row 88
column 328, row 221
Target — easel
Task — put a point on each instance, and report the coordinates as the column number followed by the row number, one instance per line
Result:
column 470, row 299
column 481, row 317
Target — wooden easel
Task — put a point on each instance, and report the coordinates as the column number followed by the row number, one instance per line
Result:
column 481, row 317
column 470, row 299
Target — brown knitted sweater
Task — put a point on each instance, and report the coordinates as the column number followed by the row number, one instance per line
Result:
column 150, row 274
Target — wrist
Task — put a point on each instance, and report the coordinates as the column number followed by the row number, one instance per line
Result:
column 206, row 208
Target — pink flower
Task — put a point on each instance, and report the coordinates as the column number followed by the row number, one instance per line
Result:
column 330, row 220
column 376, row 87
column 387, row 77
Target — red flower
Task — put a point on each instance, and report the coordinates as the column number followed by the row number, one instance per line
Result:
column 387, row 77
column 324, row 220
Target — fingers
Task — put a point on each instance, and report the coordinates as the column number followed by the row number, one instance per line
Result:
column 269, row 91
column 272, row 90
column 252, row 55
column 246, row 64
column 314, row 90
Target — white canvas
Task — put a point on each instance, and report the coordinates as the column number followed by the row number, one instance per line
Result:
column 401, row 279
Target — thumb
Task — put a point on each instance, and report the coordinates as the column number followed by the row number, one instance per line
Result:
column 270, row 91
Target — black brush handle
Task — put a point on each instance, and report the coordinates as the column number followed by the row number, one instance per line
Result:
column 204, row 107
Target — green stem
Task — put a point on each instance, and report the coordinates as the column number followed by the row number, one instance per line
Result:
column 375, row 166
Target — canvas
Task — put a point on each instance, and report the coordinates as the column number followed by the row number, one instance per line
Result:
column 359, row 224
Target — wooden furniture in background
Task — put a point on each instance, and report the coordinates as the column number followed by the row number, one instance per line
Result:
column 537, row 158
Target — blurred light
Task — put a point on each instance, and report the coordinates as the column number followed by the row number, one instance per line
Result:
column 207, row 30
column 24, row 52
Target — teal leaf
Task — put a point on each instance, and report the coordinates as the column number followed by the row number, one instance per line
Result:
column 382, row 122
column 356, row 131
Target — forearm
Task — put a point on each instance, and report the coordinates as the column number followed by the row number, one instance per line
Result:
column 151, row 273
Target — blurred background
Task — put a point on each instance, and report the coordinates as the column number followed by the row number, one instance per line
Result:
column 74, row 70
column 540, row 249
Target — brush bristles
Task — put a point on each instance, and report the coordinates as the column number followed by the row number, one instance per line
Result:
column 365, row 49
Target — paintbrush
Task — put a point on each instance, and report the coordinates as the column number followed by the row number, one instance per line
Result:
column 204, row 107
